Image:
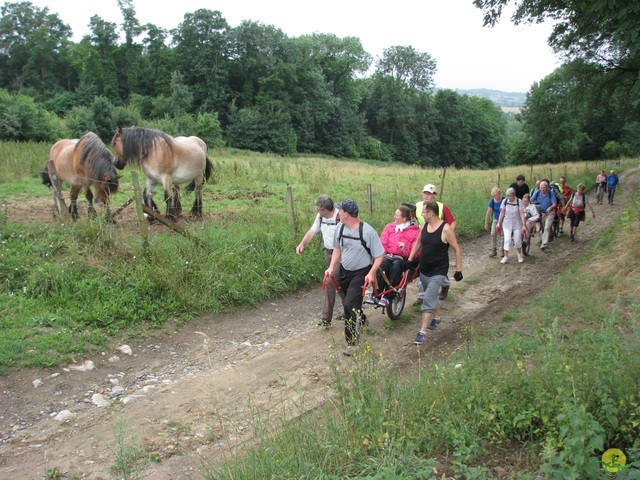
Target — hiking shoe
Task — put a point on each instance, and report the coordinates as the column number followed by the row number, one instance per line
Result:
column 420, row 338
column 543, row 247
column 444, row 291
column 324, row 323
column 350, row 350
column 435, row 321
column 520, row 258
column 370, row 300
column 504, row 260
column 383, row 302
column 494, row 253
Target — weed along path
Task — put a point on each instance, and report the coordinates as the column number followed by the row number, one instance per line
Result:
column 188, row 397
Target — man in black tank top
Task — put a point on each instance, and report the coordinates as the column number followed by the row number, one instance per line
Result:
column 433, row 244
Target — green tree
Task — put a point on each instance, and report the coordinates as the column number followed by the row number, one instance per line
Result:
column 551, row 120
column 158, row 63
column 80, row 121
column 208, row 129
column 400, row 74
column 181, row 99
column 32, row 48
column 487, row 129
column 102, row 112
column 254, row 51
column 263, row 131
column 602, row 32
column 453, row 126
column 99, row 73
column 129, row 55
column 201, row 53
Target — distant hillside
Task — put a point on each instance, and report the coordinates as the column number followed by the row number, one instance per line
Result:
column 501, row 99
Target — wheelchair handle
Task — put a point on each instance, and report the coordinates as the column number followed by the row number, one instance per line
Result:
column 333, row 280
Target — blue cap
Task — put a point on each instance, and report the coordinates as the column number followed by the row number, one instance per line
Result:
column 349, row 206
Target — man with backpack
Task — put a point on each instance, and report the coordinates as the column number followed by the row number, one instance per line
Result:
column 357, row 253
column 326, row 221
column 548, row 202
column 612, row 184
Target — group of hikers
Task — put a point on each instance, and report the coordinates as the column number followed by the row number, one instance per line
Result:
column 356, row 255
column 420, row 238
column 523, row 212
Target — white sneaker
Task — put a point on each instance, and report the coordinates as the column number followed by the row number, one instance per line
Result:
column 504, row 260
column 520, row 258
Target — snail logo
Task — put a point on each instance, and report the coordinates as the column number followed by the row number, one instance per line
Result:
column 614, row 461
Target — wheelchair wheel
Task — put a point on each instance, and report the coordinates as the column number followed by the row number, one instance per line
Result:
column 526, row 246
column 394, row 310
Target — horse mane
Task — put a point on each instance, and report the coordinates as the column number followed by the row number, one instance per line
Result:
column 138, row 143
column 97, row 160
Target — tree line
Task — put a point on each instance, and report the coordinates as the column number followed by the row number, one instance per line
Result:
column 253, row 87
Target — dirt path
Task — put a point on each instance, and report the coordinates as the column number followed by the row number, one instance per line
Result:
column 190, row 395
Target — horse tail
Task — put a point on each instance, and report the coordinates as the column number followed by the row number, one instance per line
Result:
column 208, row 168
column 46, row 179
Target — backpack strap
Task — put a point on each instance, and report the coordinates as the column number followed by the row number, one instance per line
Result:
column 359, row 237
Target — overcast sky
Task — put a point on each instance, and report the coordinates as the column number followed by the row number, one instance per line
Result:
column 468, row 55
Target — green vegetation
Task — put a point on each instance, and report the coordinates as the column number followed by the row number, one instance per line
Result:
column 65, row 290
column 250, row 86
column 555, row 389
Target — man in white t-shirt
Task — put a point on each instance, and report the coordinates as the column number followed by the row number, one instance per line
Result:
column 326, row 221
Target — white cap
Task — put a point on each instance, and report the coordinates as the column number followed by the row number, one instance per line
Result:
column 429, row 188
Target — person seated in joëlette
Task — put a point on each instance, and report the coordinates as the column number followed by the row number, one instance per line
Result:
column 397, row 239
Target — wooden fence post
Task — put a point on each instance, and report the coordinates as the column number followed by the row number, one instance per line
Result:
column 499, row 181
column 441, row 191
column 370, row 199
column 59, row 206
column 137, row 194
column 292, row 214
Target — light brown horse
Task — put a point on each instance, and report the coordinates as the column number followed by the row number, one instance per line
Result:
column 165, row 160
column 83, row 163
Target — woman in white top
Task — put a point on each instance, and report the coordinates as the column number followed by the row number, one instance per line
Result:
column 512, row 223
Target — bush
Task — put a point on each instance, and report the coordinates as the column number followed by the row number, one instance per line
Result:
column 23, row 120
column 208, row 129
column 102, row 110
column 80, row 121
column 126, row 116
column 613, row 149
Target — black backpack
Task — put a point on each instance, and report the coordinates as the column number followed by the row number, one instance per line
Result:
column 359, row 237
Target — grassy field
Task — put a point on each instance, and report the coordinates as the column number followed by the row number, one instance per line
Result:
column 67, row 289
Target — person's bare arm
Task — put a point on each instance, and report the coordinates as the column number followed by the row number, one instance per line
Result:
column 450, row 237
column 305, row 241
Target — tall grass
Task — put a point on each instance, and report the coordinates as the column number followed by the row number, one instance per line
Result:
column 543, row 402
column 66, row 289
column 22, row 161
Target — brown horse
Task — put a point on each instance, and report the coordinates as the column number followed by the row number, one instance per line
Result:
column 83, row 163
column 165, row 160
